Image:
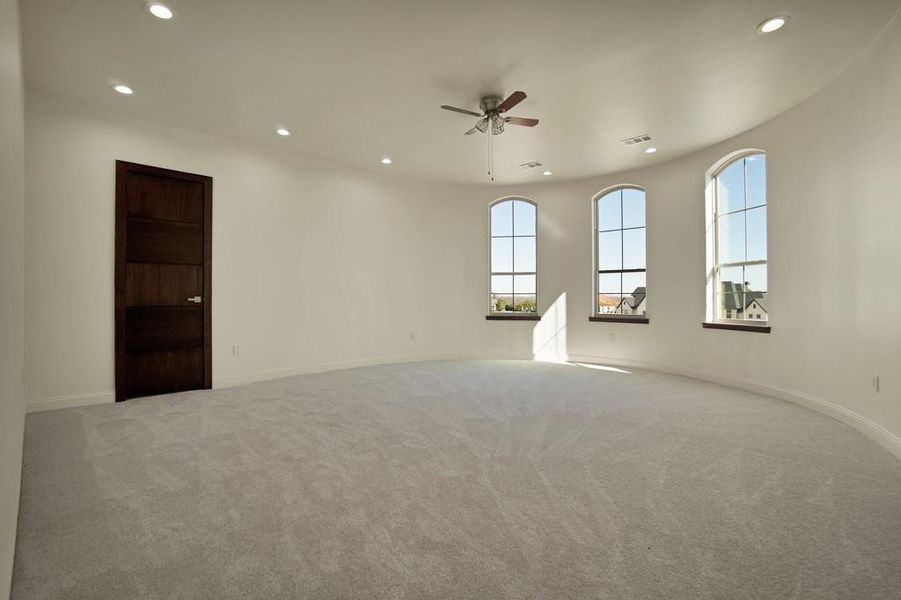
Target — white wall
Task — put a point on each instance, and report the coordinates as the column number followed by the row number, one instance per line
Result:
column 313, row 264
column 295, row 242
column 12, row 308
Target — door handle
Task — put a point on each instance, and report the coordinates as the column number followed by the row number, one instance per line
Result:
column 194, row 299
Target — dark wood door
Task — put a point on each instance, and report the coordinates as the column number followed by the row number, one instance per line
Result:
column 163, row 281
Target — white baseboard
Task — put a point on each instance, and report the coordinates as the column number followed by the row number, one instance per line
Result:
column 56, row 402
column 870, row 429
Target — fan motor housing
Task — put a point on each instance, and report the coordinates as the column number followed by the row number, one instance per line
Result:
column 489, row 103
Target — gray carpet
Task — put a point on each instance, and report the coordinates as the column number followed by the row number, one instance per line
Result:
column 476, row 479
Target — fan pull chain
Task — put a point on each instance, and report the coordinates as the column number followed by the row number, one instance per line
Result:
column 491, row 155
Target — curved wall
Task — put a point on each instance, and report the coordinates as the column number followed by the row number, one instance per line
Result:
column 317, row 266
column 834, row 194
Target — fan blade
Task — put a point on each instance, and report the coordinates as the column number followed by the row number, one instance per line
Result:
column 514, row 99
column 471, row 131
column 521, row 121
column 460, row 110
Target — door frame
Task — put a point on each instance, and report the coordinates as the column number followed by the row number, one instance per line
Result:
column 122, row 169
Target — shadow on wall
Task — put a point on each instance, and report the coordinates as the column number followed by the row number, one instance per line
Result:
column 549, row 335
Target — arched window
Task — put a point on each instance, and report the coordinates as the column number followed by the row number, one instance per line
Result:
column 514, row 265
column 620, row 256
column 737, row 241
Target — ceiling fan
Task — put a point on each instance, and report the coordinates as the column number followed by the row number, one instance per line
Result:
column 492, row 111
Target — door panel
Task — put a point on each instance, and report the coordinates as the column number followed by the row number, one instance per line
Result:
column 156, row 328
column 155, row 284
column 164, row 372
column 155, row 241
column 163, row 283
column 154, row 197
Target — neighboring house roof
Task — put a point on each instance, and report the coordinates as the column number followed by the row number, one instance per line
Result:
column 739, row 297
column 637, row 297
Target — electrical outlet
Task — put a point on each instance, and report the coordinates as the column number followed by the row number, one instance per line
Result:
column 611, row 337
column 876, row 383
column 236, row 351
column 413, row 337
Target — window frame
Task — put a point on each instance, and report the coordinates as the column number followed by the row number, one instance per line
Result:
column 596, row 316
column 714, row 268
column 512, row 315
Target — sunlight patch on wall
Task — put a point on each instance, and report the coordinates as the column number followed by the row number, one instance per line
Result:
column 549, row 335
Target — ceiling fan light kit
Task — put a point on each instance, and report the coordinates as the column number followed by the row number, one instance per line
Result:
column 493, row 108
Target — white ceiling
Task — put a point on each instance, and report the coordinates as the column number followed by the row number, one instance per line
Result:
column 356, row 80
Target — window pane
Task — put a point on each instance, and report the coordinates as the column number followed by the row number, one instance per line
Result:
column 634, row 282
column 610, row 251
column 633, row 208
column 609, row 304
column 755, row 306
column 524, row 303
column 502, row 218
column 524, row 254
column 751, row 306
column 755, row 172
column 610, row 211
column 610, row 282
column 502, row 284
column 523, row 218
column 523, row 284
column 501, row 302
column 732, row 237
column 731, row 188
column 755, row 277
column 757, row 233
column 728, row 305
column 634, row 303
column 731, row 295
column 730, row 277
column 633, row 249
column 501, row 255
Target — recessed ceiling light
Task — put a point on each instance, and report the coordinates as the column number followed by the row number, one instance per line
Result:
column 386, row 161
column 650, row 151
column 283, row 132
column 546, row 173
column 160, row 11
column 123, row 89
column 772, row 24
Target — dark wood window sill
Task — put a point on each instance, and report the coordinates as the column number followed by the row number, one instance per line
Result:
column 502, row 317
column 614, row 319
column 736, row 327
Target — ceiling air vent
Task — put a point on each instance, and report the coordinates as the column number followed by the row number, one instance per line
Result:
column 530, row 165
column 638, row 139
